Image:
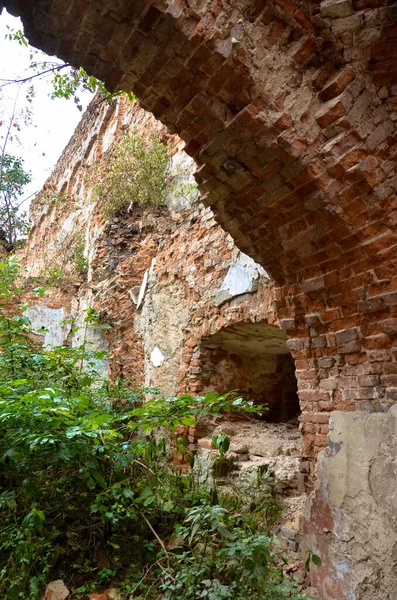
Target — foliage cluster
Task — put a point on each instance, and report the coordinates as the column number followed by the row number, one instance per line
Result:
column 67, row 81
column 49, row 196
column 13, row 177
column 133, row 172
column 87, row 493
column 80, row 259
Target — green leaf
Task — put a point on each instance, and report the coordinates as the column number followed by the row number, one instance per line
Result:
column 316, row 560
column 18, row 382
column 168, row 506
column 90, row 482
column 224, row 531
column 188, row 421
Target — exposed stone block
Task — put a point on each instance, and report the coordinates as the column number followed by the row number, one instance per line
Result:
column 347, row 24
column 288, row 324
column 350, row 347
column 348, row 335
column 336, row 8
column 295, row 344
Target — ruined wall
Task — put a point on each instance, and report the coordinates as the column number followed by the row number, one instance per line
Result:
column 199, row 291
column 162, row 276
column 183, row 297
column 351, row 520
column 289, row 110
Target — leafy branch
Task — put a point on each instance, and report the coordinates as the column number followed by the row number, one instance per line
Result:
column 67, row 81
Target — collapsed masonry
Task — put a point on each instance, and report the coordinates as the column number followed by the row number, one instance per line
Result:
column 289, row 110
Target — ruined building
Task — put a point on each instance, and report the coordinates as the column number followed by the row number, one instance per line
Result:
column 288, row 109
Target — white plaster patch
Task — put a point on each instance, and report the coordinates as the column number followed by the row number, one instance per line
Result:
column 68, row 227
column 95, row 338
column 183, row 191
column 157, row 357
column 109, row 136
column 52, row 319
column 240, row 279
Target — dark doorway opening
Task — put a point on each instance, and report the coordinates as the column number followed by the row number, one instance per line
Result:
column 254, row 359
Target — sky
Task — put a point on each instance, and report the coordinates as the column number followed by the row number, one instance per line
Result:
column 41, row 142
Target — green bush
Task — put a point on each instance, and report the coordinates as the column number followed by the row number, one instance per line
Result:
column 87, row 493
column 134, row 172
column 80, row 260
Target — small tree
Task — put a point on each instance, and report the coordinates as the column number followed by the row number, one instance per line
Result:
column 67, row 82
column 13, row 178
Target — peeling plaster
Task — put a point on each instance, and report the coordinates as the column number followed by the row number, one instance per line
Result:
column 52, row 319
column 240, row 279
column 351, row 520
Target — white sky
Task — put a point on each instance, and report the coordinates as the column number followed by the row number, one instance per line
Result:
column 53, row 121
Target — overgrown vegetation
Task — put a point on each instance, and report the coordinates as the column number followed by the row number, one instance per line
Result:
column 67, row 82
column 80, row 259
column 134, row 172
column 88, row 493
column 14, row 223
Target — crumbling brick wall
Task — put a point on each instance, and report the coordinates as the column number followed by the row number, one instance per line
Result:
column 193, row 255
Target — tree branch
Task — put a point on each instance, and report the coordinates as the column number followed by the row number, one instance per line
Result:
column 26, row 79
column 157, row 538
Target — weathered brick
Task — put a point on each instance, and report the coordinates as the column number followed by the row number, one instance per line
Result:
column 330, row 112
column 348, row 335
column 347, row 24
column 337, row 84
column 315, row 417
column 389, row 325
column 350, row 347
column 288, row 324
column 311, row 285
column 368, row 380
column 305, row 51
column 295, row 344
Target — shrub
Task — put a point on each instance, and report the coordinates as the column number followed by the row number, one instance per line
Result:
column 80, row 260
column 133, row 172
column 86, row 483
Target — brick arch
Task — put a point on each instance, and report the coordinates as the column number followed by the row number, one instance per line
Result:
column 284, row 160
column 289, row 109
